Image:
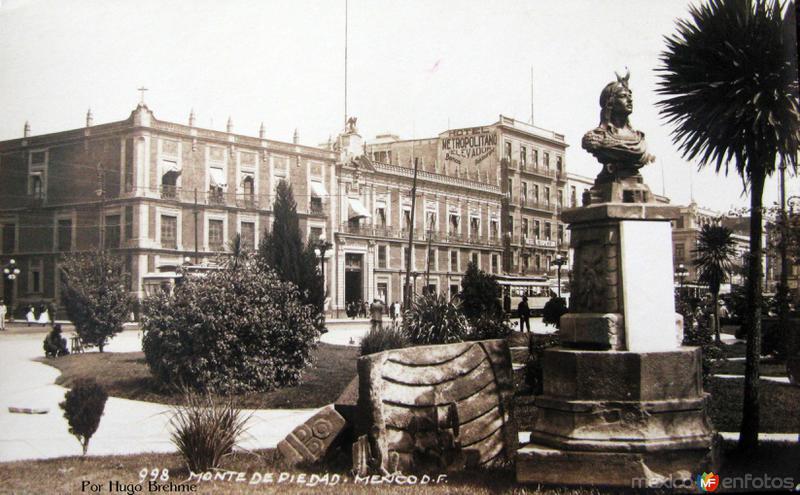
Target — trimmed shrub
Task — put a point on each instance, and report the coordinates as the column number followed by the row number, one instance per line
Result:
column 480, row 294
column 381, row 339
column 553, row 310
column 488, row 327
column 533, row 368
column 54, row 344
column 234, row 330
column 434, row 319
column 83, row 406
column 205, row 431
column 95, row 296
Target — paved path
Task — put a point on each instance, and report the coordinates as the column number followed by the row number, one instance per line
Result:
column 127, row 426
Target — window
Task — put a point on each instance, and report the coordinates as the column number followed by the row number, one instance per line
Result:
column 524, row 197
column 546, row 196
column 216, row 185
column 169, row 231
column 560, row 198
column 525, row 262
column 216, row 235
column 128, row 222
column 537, row 225
column 249, row 185
column 546, row 160
column 536, row 193
column 559, row 164
column 9, row 238
column 169, row 179
column 455, row 227
column 474, row 227
column 454, row 290
column 535, row 158
column 64, row 235
column 248, row 235
column 680, row 254
column 314, row 233
column 510, row 187
column 495, row 263
column 511, row 225
column 35, row 277
column 679, row 223
column 560, row 234
column 430, row 221
column 507, row 154
column 406, row 219
column 383, row 292
column 547, row 230
column 431, row 260
column 524, row 227
column 523, row 157
column 315, row 205
column 112, row 231
column 494, row 229
column 382, row 257
column 380, row 217
column 454, row 261
column 538, row 262
column 476, row 257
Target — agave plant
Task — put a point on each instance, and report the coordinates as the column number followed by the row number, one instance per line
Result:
column 434, row 319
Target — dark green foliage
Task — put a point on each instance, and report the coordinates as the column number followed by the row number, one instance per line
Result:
column 205, row 431
column 729, row 78
column 697, row 331
column 433, row 319
column 714, row 259
column 488, row 327
column 533, row 368
column 83, row 407
column 230, row 331
column 282, row 249
column 385, row 338
column 480, row 293
column 95, row 294
column 553, row 310
column 54, row 344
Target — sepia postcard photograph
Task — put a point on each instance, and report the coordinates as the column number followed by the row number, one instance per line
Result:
column 374, row 246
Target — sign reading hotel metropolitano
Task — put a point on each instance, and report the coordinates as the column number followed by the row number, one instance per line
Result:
column 473, row 144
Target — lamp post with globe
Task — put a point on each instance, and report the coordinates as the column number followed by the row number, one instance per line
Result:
column 319, row 251
column 559, row 262
column 10, row 273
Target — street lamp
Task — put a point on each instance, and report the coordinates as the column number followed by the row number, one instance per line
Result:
column 681, row 273
column 11, row 272
column 559, row 262
column 319, row 251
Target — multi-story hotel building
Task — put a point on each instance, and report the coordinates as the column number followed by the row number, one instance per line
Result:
column 161, row 194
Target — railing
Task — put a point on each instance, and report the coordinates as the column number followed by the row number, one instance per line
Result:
column 419, row 235
column 538, row 205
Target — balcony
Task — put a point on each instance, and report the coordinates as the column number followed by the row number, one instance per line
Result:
column 537, row 205
column 317, row 207
column 419, row 235
column 247, row 201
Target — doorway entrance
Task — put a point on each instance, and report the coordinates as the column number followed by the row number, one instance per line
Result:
column 353, row 280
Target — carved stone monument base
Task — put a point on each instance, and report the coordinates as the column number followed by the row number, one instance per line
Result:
column 627, row 414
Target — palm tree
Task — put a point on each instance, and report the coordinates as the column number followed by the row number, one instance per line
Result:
column 729, row 78
column 714, row 259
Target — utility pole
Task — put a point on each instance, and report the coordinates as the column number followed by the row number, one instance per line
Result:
column 101, row 193
column 407, row 295
column 196, row 255
column 783, row 303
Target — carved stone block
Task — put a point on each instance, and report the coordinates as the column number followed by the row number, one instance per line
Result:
column 310, row 441
column 445, row 407
column 593, row 330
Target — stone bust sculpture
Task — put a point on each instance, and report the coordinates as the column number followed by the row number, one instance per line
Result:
column 620, row 148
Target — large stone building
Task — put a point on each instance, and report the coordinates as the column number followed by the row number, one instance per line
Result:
column 155, row 192
column 523, row 163
column 162, row 194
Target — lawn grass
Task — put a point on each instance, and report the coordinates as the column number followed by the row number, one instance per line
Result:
column 66, row 474
column 780, row 405
column 127, row 375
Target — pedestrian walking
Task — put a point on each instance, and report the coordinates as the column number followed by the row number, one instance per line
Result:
column 30, row 316
column 524, row 313
column 44, row 317
column 397, row 310
column 3, row 311
column 376, row 314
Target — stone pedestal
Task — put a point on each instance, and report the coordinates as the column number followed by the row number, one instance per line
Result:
column 622, row 399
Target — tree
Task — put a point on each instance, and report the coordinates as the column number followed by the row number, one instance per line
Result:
column 232, row 330
column 282, row 249
column 714, row 259
column 480, row 293
column 94, row 291
column 83, row 407
column 729, row 78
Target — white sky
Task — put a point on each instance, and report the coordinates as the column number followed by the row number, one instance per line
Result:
column 415, row 66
